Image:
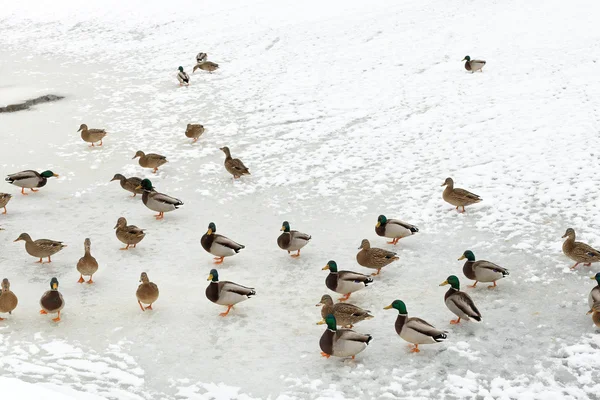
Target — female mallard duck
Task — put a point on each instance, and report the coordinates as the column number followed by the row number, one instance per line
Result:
column 482, row 271
column 130, row 235
column 579, row 251
column 595, row 311
column 8, row 300
column 394, row 229
column 234, row 165
column 87, row 265
column 219, row 245
column 159, row 202
column 414, row 330
column 40, row 248
column 30, row 179
column 292, row 240
column 150, row 160
column 345, row 314
column 459, row 302
column 201, row 57
column 206, row 66
column 226, row 293
column 345, row 282
column 52, row 301
column 458, row 197
column 341, row 342
column 129, row 184
column 373, row 257
column 4, row 199
column 194, row 131
column 91, row 135
column 146, row 293
column 594, row 296
column 473, row 65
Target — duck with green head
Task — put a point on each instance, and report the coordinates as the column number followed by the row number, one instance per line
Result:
column 30, row 179
column 342, row 342
column 459, row 302
column 473, row 65
column 345, row 282
column 159, row 202
column 52, row 301
column 594, row 297
column 183, row 77
column 292, row 240
column 394, row 229
column 226, row 293
column 219, row 245
column 482, row 271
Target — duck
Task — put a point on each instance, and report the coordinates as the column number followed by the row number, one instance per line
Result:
column 345, row 314
column 194, row 131
column 52, row 301
column 146, row 293
column 4, row 199
column 482, row 271
column 206, row 66
column 458, row 197
column 87, row 265
column 459, row 302
column 8, row 300
column 394, row 229
column 595, row 311
column 579, row 251
column 219, row 245
column 292, row 240
column 234, row 165
column 473, row 65
column 226, row 293
column 40, row 248
column 201, row 57
column 159, row 202
column 183, row 77
column 130, row 235
column 345, row 282
column 373, row 257
column 30, row 179
column 129, row 184
column 91, row 135
column 150, row 160
column 594, row 296
column 415, row 330
column 342, row 342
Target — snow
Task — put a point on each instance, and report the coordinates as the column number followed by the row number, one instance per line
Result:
column 342, row 111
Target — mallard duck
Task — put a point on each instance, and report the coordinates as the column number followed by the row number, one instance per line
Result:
column 4, row 199
column 8, row 300
column 146, row 293
column 482, row 271
column 194, row 131
column 30, row 179
column 414, row 330
column 206, row 66
column 91, row 135
column 219, row 245
column 345, row 282
column 594, row 296
column 459, row 302
column 345, row 314
column 183, row 77
column 234, row 165
column 473, row 65
column 394, row 228
column 373, row 257
column 595, row 311
column 579, row 251
column 341, row 342
column 159, row 202
column 150, row 160
column 201, row 57
column 458, row 197
column 226, row 293
column 87, row 265
column 130, row 235
column 129, row 184
column 52, row 301
column 292, row 240
column 41, row 248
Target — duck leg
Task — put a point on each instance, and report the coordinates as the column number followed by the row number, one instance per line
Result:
column 39, row 262
column 224, row 314
column 455, row 321
column 141, row 306
column 43, row 312
column 492, row 286
column 346, row 297
column 34, row 190
column 154, row 170
column 4, row 210
column 219, row 260
column 586, row 264
column 81, row 280
column 91, row 145
column 575, row 266
column 160, row 215
column 323, row 354
column 473, row 285
column 23, row 192
column 100, row 142
column 415, row 349
column 149, row 307
column 124, row 248
column 57, row 318
column 296, row 255
column 90, row 281
column 49, row 260
column 376, row 273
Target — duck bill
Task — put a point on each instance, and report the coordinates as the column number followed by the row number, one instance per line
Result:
column 387, row 307
column 378, row 224
column 282, row 228
column 591, row 277
column 210, row 277
column 318, row 304
column 462, row 257
column 55, row 175
column 209, row 232
column 564, row 236
column 16, row 240
column 463, row 59
column 138, row 187
column 54, row 286
column 321, row 322
column 325, row 267
column 444, row 283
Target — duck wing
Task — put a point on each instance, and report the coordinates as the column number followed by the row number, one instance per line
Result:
column 348, row 334
column 226, row 286
column 464, row 302
column 225, row 241
column 425, row 328
column 164, row 199
column 403, row 224
column 354, row 277
column 22, row 175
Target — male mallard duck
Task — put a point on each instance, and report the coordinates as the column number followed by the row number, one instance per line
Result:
column 201, row 57
column 373, row 257
column 594, row 296
column 87, row 265
column 129, row 184
column 345, row 314
column 226, row 293
column 341, row 342
column 30, row 179
column 394, row 228
column 482, row 271
column 150, row 160
column 345, row 282
column 206, row 66
column 292, row 240
column 414, row 330
column 159, row 202
column 473, row 65
column 234, row 165
column 8, row 300
column 130, row 235
column 194, row 131
column 458, row 197
column 91, row 135
column 4, row 199
column 183, row 77
column 459, row 302
column 219, row 245
column 40, row 248
column 579, row 251
column 52, row 301
column 147, row 292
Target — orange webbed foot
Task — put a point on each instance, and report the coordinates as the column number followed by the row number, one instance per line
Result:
column 323, row 354
column 90, row 281
column 43, row 312
column 455, row 321
column 56, row 319
column 81, row 280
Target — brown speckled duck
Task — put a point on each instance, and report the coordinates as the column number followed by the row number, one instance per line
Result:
column 4, row 199
column 87, row 265
column 458, row 197
column 40, row 248
column 345, row 314
column 91, row 135
column 194, row 131
column 482, row 271
column 52, row 301
column 146, row 293
column 372, row 257
column 129, row 184
column 8, row 300
column 130, row 235
column 579, row 251
column 206, row 66
column 473, row 65
column 150, row 160
column 234, row 165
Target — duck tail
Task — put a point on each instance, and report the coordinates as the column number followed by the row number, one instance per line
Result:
column 368, row 280
column 414, row 229
column 441, row 337
column 477, row 318
column 369, row 338
column 252, row 293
